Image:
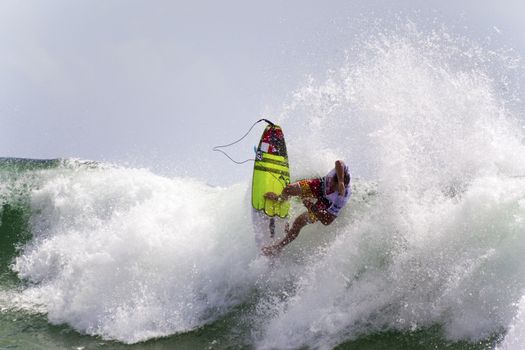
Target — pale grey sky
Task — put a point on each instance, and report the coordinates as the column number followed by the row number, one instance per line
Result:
column 159, row 83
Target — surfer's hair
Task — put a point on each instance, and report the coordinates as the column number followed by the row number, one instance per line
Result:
column 347, row 178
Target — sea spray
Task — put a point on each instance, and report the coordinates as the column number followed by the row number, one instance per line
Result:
column 516, row 331
column 423, row 114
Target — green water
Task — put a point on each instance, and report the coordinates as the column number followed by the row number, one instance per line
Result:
column 19, row 331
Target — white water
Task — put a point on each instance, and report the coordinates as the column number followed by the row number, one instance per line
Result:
column 129, row 255
column 430, row 115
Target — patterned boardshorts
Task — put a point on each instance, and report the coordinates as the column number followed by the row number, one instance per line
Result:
column 314, row 188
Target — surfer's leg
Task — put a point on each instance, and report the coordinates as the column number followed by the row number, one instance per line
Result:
column 291, row 234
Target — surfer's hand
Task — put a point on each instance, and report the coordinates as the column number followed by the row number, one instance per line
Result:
column 272, row 196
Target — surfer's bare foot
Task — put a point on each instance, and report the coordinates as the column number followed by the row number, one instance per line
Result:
column 272, row 196
column 270, row 251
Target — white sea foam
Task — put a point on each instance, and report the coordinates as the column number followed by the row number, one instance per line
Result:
column 129, row 255
column 516, row 332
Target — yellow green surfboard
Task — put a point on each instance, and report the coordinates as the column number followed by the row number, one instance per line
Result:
column 271, row 172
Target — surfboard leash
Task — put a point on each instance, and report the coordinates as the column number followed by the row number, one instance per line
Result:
column 217, row 148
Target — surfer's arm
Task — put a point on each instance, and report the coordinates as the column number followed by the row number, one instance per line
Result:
column 340, row 171
column 288, row 191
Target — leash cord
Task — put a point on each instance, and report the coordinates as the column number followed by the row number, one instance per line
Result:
column 216, row 148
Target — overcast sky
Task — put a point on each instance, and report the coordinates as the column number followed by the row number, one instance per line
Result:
column 159, row 83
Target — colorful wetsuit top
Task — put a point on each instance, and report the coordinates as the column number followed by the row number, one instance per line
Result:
column 337, row 201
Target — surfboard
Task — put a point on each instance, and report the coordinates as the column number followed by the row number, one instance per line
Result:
column 271, row 173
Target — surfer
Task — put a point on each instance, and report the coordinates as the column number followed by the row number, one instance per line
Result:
column 331, row 192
